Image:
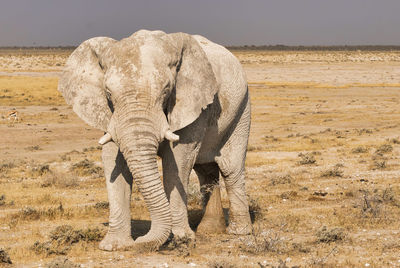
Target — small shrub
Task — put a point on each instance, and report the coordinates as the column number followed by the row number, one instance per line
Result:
column 360, row 150
column 63, row 237
column 61, row 262
column 364, row 130
column 4, row 257
column 220, row 263
column 30, row 213
column 255, row 209
column 371, row 204
column 288, row 195
column 102, row 205
column 307, row 159
column 265, row 240
column 379, row 164
column 40, row 170
column 5, row 167
column 33, row 148
column 326, row 235
column 395, row 141
column 86, row 168
column 281, row 179
column 333, row 172
column 385, row 148
column 2, row 200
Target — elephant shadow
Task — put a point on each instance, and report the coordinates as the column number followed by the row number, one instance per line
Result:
column 141, row 227
column 195, row 216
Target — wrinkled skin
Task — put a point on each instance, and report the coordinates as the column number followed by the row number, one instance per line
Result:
column 176, row 95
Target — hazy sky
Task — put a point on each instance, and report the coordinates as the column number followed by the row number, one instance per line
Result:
column 229, row 22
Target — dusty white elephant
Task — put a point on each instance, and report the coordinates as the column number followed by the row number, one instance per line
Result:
column 176, row 95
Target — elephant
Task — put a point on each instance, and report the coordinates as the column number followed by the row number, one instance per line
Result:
column 177, row 96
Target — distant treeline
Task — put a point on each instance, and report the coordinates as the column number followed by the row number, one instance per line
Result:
column 316, row 48
column 38, row 48
column 245, row 47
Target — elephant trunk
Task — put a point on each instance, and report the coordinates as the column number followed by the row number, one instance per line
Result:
column 139, row 144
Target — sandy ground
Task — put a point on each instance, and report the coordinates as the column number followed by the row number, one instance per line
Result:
column 322, row 167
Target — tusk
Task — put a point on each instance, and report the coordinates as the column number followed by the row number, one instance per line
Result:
column 106, row 138
column 171, row 136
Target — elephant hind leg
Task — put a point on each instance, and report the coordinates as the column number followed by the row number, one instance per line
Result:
column 231, row 163
column 213, row 220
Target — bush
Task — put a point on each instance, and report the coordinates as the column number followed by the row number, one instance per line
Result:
column 63, row 237
column 61, row 262
column 2, row 200
column 86, row 168
column 102, row 205
column 307, row 159
column 385, row 148
column 281, row 179
column 360, row 150
column 326, row 235
column 334, row 172
column 379, row 164
column 255, row 209
column 4, row 258
column 30, row 213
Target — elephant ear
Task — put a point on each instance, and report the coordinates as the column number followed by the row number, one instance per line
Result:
column 195, row 84
column 81, row 83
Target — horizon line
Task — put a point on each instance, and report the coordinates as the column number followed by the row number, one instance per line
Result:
column 252, row 47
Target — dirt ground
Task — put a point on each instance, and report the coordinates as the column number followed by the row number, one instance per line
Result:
column 323, row 170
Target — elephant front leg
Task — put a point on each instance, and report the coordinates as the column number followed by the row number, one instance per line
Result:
column 119, row 188
column 176, row 171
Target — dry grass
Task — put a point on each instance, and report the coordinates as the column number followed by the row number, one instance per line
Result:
column 23, row 90
column 63, row 237
column 324, row 150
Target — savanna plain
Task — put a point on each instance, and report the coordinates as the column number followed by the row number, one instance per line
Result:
column 323, row 168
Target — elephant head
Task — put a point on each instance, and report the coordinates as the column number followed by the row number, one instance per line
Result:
column 139, row 91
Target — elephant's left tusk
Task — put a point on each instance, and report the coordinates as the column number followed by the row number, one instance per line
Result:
column 106, row 138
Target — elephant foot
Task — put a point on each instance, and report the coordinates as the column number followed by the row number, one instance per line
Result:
column 240, row 225
column 113, row 242
column 183, row 243
column 183, row 233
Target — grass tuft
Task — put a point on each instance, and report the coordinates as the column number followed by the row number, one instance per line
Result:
column 4, row 257
column 326, row 235
column 307, row 159
column 63, row 237
column 86, row 168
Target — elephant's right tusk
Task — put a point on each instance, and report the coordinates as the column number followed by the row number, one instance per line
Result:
column 171, row 136
column 106, row 138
